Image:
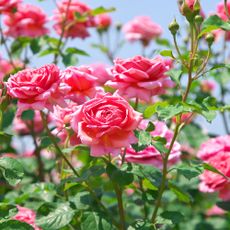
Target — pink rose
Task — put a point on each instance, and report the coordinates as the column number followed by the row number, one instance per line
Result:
column 37, row 88
column 215, row 211
column 213, row 147
column 106, row 123
column 62, row 118
column 73, row 27
column 207, row 86
column 141, row 28
column 213, row 182
column 7, row 6
column 103, row 21
column 20, row 126
column 216, row 152
column 81, row 82
column 150, row 155
column 101, row 72
column 26, row 215
column 28, row 21
column 140, row 77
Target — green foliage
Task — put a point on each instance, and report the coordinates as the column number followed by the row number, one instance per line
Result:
column 56, row 217
column 15, row 224
column 11, row 170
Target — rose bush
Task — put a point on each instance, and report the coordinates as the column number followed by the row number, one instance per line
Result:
column 95, row 138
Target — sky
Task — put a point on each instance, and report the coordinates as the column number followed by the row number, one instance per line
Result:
column 161, row 12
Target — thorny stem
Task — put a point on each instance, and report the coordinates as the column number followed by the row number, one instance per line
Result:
column 194, row 46
column 87, row 185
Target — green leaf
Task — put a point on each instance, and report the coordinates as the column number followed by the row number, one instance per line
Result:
column 83, row 200
column 27, row 115
column 102, row 48
column 150, row 127
column 151, row 110
column 163, row 42
column 7, row 211
column 57, row 218
column 101, row 10
column 48, row 52
column 15, row 225
column 118, row 176
column 5, row 138
column 73, row 50
column 95, row 221
column 144, row 139
column 35, row 45
column 225, row 205
column 181, row 194
column 189, row 171
column 170, row 111
column 174, row 217
column 141, row 225
column 167, row 53
column 11, row 170
column 175, row 75
column 210, row 168
column 212, row 23
column 69, row 59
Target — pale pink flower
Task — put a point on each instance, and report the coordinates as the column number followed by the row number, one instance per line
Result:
column 207, row 86
column 213, row 182
column 141, row 28
column 37, row 88
column 215, row 211
column 62, row 117
column 26, row 215
column 7, row 6
column 140, row 77
column 81, row 82
column 213, row 147
column 103, row 21
column 21, row 127
column 102, row 72
column 150, row 155
column 27, row 21
column 106, row 123
column 73, row 27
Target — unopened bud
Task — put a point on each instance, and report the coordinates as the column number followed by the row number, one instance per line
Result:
column 199, row 19
column 209, row 39
column 174, row 27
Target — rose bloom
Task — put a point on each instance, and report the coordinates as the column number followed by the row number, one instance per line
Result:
column 213, row 182
column 20, row 126
column 103, row 21
column 207, row 86
column 141, row 28
column 106, row 123
column 37, row 88
column 27, row 21
column 81, row 82
column 213, row 147
column 101, row 72
column 150, row 155
column 61, row 118
column 140, row 77
column 26, row 215
column 73, row 27
column 8, row 5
